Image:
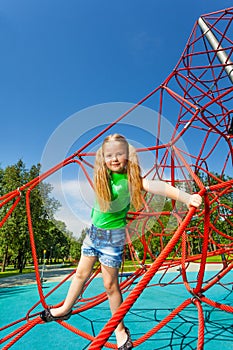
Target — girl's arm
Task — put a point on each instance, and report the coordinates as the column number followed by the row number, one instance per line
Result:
column 164, row 189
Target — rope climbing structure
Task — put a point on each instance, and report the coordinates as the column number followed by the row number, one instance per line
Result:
column 199, row 92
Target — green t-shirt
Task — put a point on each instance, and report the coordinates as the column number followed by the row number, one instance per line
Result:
column 116, row 216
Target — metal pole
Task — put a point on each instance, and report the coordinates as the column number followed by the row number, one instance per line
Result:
column 214, row 43
column 43, row 268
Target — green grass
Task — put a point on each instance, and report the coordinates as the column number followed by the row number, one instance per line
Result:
column 11, row 271
column 212, row 259
column 14, row 272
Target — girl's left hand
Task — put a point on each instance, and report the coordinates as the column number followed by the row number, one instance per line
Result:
column 195, row 201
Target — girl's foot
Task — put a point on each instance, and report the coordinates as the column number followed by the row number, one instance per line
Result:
column 124, row 340
column 47, row 316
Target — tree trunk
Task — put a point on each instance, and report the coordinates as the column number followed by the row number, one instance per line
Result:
column 5, row 259
column 20, row 261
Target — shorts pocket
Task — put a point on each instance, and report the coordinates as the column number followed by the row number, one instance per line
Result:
column 118, row 238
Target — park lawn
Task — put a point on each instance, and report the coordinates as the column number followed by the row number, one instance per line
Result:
column 14, row 272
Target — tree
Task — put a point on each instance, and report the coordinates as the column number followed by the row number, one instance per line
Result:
column 75, row 245
column 15, row 228
column 14, row 236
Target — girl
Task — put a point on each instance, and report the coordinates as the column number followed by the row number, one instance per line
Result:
column 117, row 183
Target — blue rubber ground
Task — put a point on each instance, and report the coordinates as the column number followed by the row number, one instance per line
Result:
column 153, row 305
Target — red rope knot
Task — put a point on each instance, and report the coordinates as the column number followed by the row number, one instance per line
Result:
column 80, row 158
column 18, row 190
column 170, row 145
column 144, row 267
column 196, row 296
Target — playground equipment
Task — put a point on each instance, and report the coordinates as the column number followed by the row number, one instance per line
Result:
column 199, row 92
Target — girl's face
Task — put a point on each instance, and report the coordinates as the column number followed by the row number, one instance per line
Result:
column 115, row 156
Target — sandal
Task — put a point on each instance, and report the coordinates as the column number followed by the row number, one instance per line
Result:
column 46, row 316
column 128, row 345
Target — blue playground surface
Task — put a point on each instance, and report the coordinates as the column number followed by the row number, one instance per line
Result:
column 153, row 305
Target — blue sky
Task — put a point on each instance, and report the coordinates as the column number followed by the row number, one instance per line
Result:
column 59, row 57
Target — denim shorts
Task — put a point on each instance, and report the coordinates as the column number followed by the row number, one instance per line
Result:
column 107, row 245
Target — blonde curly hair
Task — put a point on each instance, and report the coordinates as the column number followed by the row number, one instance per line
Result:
column 102, row 176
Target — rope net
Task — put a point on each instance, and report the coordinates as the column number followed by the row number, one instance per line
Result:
column 199, row 93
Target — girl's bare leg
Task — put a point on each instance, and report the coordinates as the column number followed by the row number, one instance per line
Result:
column 82, row 274
column 111, row 284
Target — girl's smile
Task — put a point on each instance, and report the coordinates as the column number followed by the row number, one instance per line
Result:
column 115, row 156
